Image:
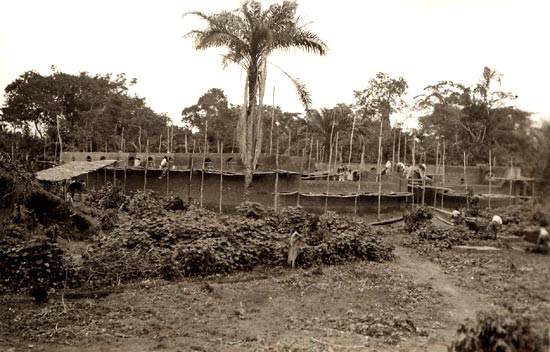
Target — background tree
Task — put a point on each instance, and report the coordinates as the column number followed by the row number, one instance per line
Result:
column 222, row 119
column 251, row 35
column 91, row 111
column 382, row 97
column 474, row 118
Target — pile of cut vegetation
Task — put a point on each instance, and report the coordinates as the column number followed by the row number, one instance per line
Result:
column 492, row 331
column 199, row 242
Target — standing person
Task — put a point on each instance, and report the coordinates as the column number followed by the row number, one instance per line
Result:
column 495, row 226
column 164, row 166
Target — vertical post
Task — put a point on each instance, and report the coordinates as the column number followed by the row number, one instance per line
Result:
column 512, row 173
column 309, row 159
column 351, row 140
column 424, row 180
column 204, row 160
column 289, row 140
column 414, row 149
column 336, row 151
column 276, row 190
column 300, row 176
column 221, row 176
column 168, row 176
column 185, row 141
column 272, row 121
column 160, row 142
column 399, row 147
column 190, row 173
column 379, row 168
column 466, row 182
column 316, row 151
column 533, row 195
column 124, row 185
column 490, row 177
column 329, row 163
column 361, row 165
column 443, row 172
column 146, row 165
column 139, row 139
column 122, row 140
column 405, row 151
column 393, row 154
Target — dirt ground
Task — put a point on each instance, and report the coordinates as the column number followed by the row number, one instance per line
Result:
column 414, row 303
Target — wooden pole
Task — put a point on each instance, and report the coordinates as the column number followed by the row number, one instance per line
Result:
column 490, row 177
column 139, row 139
column 329, row 162
column 124, row 185
column 443, row 174
column 160, row 142
column 190, row 173
column 379, row 168
column 309, row 158
column 276, row 190
column 511, row 177
column 424, row 180
column 466, row 182
column 351, row 140
column 300, row 177
column 122, row 140
column 168, row 176
column 185, row 141
column 146, row 165
column 272, row 122
column 221, row 176
column 405, row 151
column 204, row 160
column 289, row 140
column 316, row 151
column 399, row 147
column 393, row 154
column 414, row 149
column 361, row 166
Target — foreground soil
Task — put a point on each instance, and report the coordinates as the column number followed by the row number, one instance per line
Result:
column 412, row 304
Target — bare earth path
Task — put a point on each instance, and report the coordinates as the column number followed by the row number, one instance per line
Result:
column 461, row 303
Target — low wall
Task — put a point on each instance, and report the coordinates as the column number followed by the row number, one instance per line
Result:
column 366, row 204
column 229, row 161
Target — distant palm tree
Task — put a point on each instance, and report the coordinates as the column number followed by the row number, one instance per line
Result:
column 251, row 34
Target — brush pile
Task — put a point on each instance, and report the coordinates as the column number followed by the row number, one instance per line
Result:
column 499, row 332
column 199, row 242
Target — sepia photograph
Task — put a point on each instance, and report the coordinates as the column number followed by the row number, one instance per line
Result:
column 274, row 175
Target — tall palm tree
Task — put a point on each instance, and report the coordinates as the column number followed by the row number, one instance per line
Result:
column 251, row 34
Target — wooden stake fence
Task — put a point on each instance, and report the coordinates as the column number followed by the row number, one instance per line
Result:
column 361, row 166
column 309, row 158
column 300, row 176
column 511, row 177
column 191, row 173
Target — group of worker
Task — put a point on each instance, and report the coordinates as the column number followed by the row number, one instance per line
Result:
column 495, row 226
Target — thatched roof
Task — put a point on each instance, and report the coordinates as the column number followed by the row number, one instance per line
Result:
column 72, row 169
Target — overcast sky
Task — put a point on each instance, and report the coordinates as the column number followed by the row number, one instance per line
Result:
column 424, row 41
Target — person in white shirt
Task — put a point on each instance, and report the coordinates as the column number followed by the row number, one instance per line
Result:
column 495, row 226
column 164, row 166
column 456, row 215
column 543, row 241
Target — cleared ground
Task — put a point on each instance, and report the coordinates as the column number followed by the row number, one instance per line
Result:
column 412, row 304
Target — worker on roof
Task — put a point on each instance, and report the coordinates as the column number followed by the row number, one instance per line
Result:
column 495, row 226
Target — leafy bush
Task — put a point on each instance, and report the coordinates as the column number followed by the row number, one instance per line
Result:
column 492, row 332
column 418, row 218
